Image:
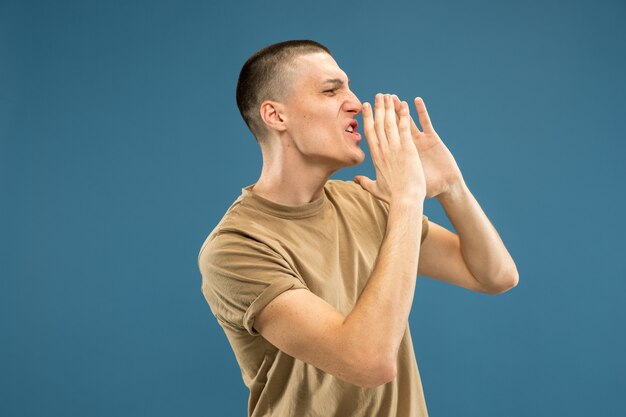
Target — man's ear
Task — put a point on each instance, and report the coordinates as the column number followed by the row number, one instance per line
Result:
column 272, row 114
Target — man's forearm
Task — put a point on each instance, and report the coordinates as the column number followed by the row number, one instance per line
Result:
column 378, row 320
column 482, row 248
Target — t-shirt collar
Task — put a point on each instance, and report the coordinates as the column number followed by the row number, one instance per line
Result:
column 253, row 200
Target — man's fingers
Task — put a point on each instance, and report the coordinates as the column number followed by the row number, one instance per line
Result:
column 391, row 127
column 379, row 121
column 415, row 132
column 370, row 132
column 422, row 113
column 365, row 183
column 397, row 104
column 404, row 124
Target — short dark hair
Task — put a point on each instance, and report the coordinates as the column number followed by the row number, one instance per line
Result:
column 263, row 77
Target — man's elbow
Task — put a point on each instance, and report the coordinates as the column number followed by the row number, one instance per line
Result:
column 375, row 371
column 505, row 284
column 383, row 373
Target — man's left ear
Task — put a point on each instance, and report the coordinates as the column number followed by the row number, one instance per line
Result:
column 272, row 114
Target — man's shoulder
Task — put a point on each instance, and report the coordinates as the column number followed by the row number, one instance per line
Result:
column 230, row 228
column 337, row 184
column 347, row 188
column 349, row 191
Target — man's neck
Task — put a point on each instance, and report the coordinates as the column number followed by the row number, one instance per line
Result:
column 290, row 190
column 290, row 181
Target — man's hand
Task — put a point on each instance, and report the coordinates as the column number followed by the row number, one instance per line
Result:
column 440, row 169
column 478, row 257
column 399, row 173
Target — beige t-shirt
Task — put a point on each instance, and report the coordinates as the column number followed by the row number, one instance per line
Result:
column 260, row 249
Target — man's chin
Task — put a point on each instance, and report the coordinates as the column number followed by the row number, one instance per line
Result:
column 358, row 158
column 352, row 162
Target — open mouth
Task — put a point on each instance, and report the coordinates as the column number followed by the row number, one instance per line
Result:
column 351, row 130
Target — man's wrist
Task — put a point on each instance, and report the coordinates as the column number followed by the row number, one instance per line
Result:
column 408, row 203
column 456, row 192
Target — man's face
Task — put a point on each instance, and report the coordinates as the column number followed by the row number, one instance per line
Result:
column 319, row 113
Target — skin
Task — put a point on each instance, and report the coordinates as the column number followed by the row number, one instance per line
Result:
column 305, row 144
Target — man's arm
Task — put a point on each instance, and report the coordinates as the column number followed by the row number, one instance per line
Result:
column 476, row 258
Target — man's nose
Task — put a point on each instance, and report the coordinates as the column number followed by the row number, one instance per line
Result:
column 353, row 104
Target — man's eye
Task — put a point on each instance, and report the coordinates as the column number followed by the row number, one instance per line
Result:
column 330, row 91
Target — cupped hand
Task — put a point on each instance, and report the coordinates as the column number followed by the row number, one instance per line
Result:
column 399, row 173
column 440, row 168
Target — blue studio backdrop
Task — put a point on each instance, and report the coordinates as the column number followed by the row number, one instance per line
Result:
column 121, row 147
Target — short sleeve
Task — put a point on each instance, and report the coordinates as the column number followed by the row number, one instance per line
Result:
column 240, row 276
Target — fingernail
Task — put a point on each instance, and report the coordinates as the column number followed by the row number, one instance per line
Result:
column 377, row 97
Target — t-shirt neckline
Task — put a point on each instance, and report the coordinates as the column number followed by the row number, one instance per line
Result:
column 309, row 209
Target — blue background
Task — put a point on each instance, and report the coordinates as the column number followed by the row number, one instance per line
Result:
column 121, row 148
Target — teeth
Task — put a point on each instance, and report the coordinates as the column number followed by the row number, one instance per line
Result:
column 350, row 129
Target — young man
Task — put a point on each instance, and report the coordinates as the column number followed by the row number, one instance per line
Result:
column 312, row 279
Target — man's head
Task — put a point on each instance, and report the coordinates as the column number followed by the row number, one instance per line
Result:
column 296, row 89
column 267, row 75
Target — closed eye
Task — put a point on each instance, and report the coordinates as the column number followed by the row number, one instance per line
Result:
column 330, row 91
